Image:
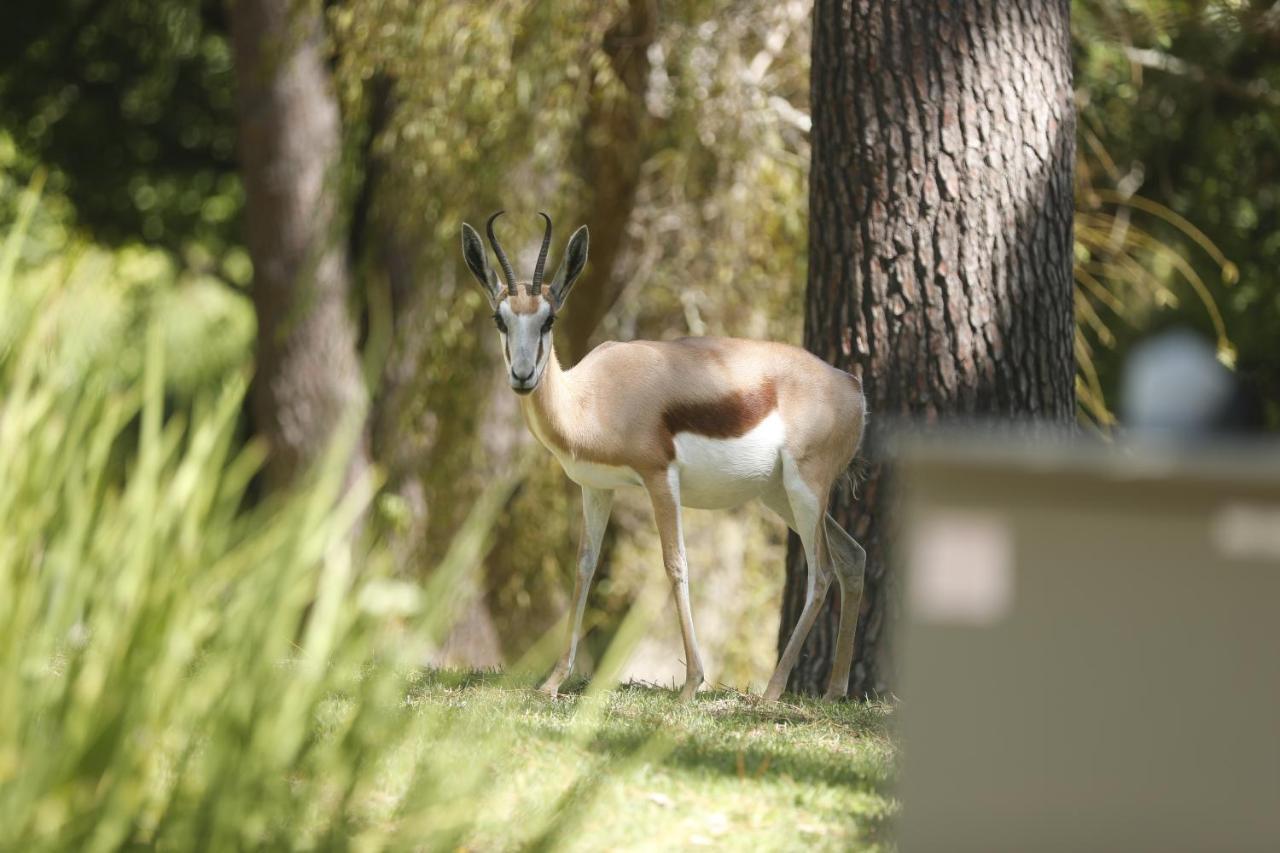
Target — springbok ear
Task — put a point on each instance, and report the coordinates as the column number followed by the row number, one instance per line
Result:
column 575, row 259
column 473, row 252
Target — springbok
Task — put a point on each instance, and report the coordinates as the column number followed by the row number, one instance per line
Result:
column 698, row 422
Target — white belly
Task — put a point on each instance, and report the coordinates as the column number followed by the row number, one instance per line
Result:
column 717, row 473
column 598, row 476
column 714, row 473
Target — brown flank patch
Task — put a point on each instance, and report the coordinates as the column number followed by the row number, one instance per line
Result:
column 727, row 417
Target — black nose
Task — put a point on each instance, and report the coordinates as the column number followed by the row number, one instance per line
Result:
column 521, row 379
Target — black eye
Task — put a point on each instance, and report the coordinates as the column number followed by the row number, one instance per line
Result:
column 502, row 325
column 546, row 327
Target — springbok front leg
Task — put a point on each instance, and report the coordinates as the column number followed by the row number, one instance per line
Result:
column 596, row 505
column 803, row 510
column 664, row 492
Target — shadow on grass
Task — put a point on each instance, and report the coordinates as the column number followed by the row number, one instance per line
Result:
column 722, row 735
column 753, row 761
column 750, row 737
column 762, row 743
column 425, row 679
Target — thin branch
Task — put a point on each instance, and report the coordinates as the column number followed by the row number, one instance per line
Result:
column 1250, row 90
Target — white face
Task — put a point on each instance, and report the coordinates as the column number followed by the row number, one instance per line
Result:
column 526, row 340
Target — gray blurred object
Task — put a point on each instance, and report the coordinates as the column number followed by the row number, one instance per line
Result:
column 1091, row 647
column 1174, row 385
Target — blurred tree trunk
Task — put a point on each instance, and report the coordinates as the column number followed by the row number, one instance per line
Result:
column 940, row 244
column 401, row 423
column 614, row 145
column 399, row 333
column 308, row 380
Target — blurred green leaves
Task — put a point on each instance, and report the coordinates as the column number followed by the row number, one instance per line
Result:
column 1179, row 107
column 129, row 103
column 177, row 671
column 106, row 298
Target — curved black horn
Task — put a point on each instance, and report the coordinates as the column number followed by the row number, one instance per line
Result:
column 502, row 256
column 541, row 267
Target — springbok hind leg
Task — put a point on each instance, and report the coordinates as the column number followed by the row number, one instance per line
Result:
column 850, row 564
column 801, row 507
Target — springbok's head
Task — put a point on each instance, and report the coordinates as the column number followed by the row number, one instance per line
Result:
column 524, row 310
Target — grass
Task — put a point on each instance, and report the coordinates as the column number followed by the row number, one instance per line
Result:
column 634, row 769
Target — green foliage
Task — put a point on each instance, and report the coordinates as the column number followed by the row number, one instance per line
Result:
column 723, row 208
column 129, row 103
column 148, row 694
column 1180, row 129
column 109, row 297
column 176, row 671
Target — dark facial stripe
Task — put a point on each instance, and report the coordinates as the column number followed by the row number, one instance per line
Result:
column 727, row 417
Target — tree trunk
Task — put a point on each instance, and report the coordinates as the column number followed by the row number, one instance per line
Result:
column 940, row 244
column 613, row 152
column 308, row 380
column 399, row 336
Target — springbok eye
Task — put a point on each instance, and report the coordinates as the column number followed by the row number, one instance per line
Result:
column 546, row 327
column 502, row 324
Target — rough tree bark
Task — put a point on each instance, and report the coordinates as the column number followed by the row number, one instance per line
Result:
column 940, row 243
column 308, row 378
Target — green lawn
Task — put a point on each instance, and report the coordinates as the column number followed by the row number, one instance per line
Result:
column 634, row 769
